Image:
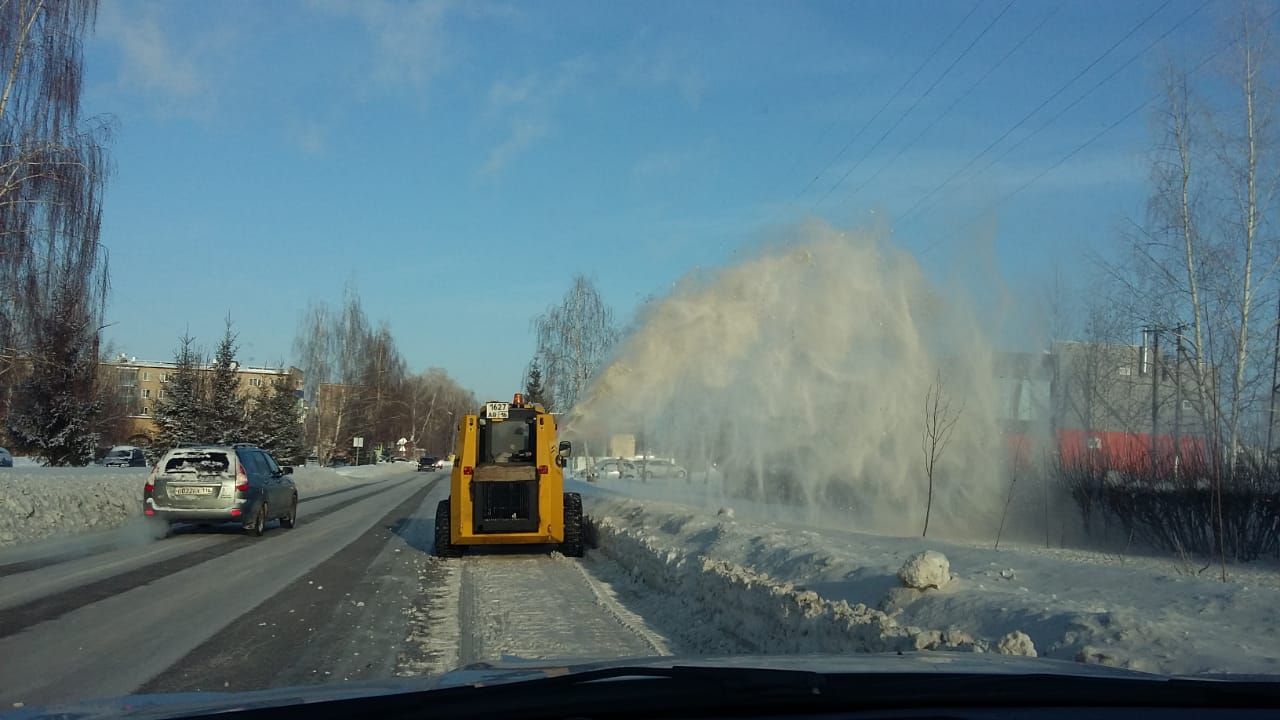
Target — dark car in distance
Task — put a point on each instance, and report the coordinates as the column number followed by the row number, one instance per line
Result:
column 428, row 462
column 125, row 456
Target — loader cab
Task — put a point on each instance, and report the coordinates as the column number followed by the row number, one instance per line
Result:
column 509, row 440
column 505, row 481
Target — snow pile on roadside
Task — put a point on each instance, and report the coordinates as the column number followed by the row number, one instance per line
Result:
column 717, row 606
column 38, row 502
column 770, row 587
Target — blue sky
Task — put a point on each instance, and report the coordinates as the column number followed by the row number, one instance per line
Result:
column 458, row 162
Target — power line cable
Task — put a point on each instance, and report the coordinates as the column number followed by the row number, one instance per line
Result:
column 927, row 196
column 928, row 59
column 798, row 161
column 1098, row 135
column 915, row 104
column 1091, row 90
column 960, row 98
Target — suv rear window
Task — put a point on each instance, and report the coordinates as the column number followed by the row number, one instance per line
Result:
column 200, row 463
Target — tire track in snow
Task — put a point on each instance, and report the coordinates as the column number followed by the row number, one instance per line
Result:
column 22, row 566
column 606, row 598
column 330, row 636
column 542, row 607
column 49, row 607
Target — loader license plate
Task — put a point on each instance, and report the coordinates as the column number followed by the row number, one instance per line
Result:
column 206, row 490
column 497, row 410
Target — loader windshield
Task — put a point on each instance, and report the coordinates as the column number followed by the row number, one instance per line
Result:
column 509, row 441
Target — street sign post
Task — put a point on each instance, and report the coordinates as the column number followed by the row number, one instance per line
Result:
column 357, row 443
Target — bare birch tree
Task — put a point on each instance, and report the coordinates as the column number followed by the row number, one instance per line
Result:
column 1243, row 188
column 573, row 340
column 1206, row 258
column 435, row 402
column 329, row 348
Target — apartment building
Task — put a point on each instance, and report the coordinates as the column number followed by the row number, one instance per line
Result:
column 141, row 384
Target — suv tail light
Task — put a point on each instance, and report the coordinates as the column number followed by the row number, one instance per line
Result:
column 242, row 480
column 151, row 480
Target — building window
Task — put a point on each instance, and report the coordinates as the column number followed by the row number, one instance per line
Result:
column 161, row 393
column 146, row 410
column 146, row 375
column 164, row 377
column 146, row 394
column 1186, row 404
column 1126, row 370
column 256, row 382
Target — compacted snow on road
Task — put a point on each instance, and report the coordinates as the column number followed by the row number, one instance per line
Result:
column 350, row 595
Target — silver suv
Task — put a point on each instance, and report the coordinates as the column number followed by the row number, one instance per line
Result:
column 220, row 484
column 661, row 468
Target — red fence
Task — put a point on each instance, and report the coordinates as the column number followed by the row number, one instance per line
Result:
column 1122, row 451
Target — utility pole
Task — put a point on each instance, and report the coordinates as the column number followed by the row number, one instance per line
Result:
column 1275, row 382
column 1177, row 392
column 1155, row 393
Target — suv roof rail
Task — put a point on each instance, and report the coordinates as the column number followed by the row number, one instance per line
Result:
column 244, row 445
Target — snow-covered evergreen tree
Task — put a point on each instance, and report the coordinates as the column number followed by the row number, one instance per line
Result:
column 55, row 407
column 275, row 425
column 225, row 408
column 534, row 391
column 180, row 414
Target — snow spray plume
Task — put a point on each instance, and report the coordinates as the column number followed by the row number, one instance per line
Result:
column 802, row 374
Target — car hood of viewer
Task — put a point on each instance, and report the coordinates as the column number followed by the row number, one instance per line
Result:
column 512, row 670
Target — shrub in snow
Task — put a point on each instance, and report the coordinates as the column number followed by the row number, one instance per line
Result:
column 928, row 569
column 726, row 512
column 1016, row 643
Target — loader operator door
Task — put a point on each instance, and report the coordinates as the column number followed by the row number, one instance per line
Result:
column 505, row 484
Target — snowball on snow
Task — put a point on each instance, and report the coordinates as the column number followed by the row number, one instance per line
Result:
column 1016, row 643
column 928, row 569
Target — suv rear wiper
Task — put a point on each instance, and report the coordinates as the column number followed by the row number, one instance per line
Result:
column 643, row 691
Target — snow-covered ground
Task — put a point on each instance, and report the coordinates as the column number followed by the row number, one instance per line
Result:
column 732, row 579
column 38, row 503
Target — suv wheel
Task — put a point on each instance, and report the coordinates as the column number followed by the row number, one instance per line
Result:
column 259, row 522
column 291, row 520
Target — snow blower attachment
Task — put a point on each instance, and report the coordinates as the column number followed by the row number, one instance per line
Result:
column 507, row 484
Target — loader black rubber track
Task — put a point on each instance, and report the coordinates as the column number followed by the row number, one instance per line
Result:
column 573, row 536
column 444, row 543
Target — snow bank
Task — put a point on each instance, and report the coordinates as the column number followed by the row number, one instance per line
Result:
column 717, row 606
column 730, row 585
column 38, row 503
